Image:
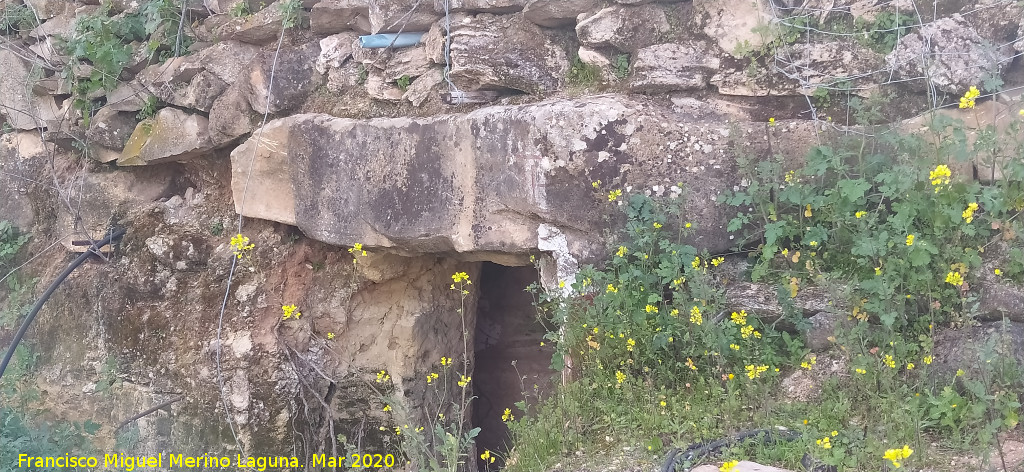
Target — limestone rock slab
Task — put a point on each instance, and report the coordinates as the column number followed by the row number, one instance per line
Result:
column 485, row 181
column 626, row 28
column 171, row 135
column 672, row 66
column 507, row 52
column 557, row 13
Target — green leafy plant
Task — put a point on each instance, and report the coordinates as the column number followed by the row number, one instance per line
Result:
column 621, row 66
column 240, row 9
column 149, row 108
column 403, row 82
column 11, row 241
column 883, row 32
column 16, row 18
column 361, row 74
column 290, row 12
column 582, row 74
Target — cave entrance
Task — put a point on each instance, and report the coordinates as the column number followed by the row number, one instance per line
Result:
column 507, row 330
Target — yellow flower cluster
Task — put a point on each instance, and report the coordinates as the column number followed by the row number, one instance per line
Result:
column 716, row 261
column 968, row 214
column 748, row 331
column 739, row 318
column 860, row 371
column 910, row 240
column 614, row 195
column 431, row 377
column 383, row 376
column 622, row 251
column 460, row 277
column 809, row 364
column 940, row 176
column 755, row 371
column 619, row 376
column 507, row 415
column 896, row 455
column 825, row 443
column 889, row 361
column 612, row 289
column 695, row 316
column 289, row 311
column 860, row 214
column 464, row 381
column 446, row 361
column 357, row 248
column 241, row 245
column 954, row 278
column 730, row 465
column 487, row 457
column 967, row 101
column 651, row 309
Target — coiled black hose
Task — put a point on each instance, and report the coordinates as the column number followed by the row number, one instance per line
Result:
column 111, row 236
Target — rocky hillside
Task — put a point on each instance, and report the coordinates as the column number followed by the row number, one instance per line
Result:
column 481, row 132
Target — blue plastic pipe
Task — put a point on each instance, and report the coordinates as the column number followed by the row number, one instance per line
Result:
column 383, row 40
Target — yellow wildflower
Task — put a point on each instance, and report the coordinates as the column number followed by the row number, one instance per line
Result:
column 889, row 361
column 825, row 443
column 487, row 457
column 927, row 359
column 954, row 278
column 357, row 248
column 695, row 316
column 967, row 101
column 734, row 347
column 910, row 366
column 860, row 371
column 330, row 335
column 896, row 455
column 464, row 380
column 910, row 240
column 614, row 195
column 730, row 465
column 241, row 245
column 998, row 272
column 619, row 376
column 968, row 214
column 507, row 415
column 651, row 309
column 860, row 214
column 656, row 225
column 716, row 261
column 739, row 318
column 611, row 289
column 940, row 176
column 460, row 277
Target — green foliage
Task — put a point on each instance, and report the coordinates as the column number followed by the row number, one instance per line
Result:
column 11, row 242
column 361, row 74
column 16, row 18
column 290, row 12
column 149, row 108
column 24, row 430
column 621, row 66
column 883, row 32
column 217, row 228
column 240, row 9
column 582, row 74
column 403, row 82
column 100, row 45
column 888, row 220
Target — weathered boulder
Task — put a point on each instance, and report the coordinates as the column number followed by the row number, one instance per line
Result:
column 231, row 116
column 335, row 50
column 484, row 182
column 46, row 9
column 127, row 96
column 111, row 128
column 733, row 24
column 392, row 16
column 424, row 86
column 626, row 28
column 813, row 64
column 227, row 60
column 183, row 81
column 22, row 153
column 938, row 51
column 294, row 77
column 261, row 27
column 557, row 13
column 171, row 135
column 670, row 67
column 21, row 106
column 380, row 89
column 506, row 52
column 335, row 16
column 485, row 6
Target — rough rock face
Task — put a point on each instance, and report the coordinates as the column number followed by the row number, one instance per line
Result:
column 557, row 13
column 505, row 52
column 626, row 28
column 938, row 52
column 732, row 24
column 110, row 128
column 401, row 15
column 22, row 108
column 171, row 135
column 483, row 182
column 671, row 67
column 335, row 16
column 294, row 76
column 485, row 6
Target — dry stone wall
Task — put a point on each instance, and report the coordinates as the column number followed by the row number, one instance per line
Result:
column 481, row 142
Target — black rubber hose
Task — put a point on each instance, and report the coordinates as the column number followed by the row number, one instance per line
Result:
column 49, row 291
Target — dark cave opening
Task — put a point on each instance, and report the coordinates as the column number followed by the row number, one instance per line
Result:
column 507, row 331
